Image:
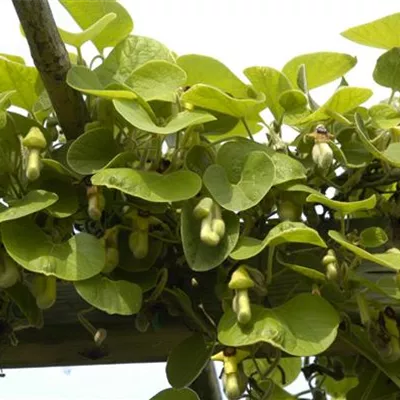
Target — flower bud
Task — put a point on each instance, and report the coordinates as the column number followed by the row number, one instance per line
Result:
column 322, row 155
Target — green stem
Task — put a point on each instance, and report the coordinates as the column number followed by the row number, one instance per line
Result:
column 391, row 96
column 270, row 263
column 342, row 224
column 247, row 129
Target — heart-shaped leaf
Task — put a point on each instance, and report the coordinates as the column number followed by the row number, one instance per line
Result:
column 345, row 207
column 290, row 365
column 90, row 33
column 67, row 203
column 301, row 331
column 113, row 297
column 34, row 201
column 381, row 33
column 128, row 55
column 86, row 81
column 389, row 286
column 285, row 232
column 136, row 115
column 199, row 158
column 176, row 394
column 391, row 155
column 257, row 177
column 95, row 10
column 384, row 116
column 374, row 236
column 345, row 99
column 200, row 256
column 321, row 68
column 293, row 100
column 150, row 186
column 272, row 83
column 23, row 79
column 208, row 70
column 187, row 360
column 212, row 98
column 81, row 257
column 157, row 80
column 23, row 298
column 387, row 69
column 388, row 259
column 92, row 151
column 287, row 169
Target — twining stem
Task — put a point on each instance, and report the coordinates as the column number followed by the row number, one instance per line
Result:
column 342, row 224
column 391, row 96
column 247, row 129
column 270, row 263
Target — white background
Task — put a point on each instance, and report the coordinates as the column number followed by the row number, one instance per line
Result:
column 240, row 34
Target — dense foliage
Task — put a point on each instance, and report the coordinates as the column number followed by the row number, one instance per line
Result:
column 183, row 197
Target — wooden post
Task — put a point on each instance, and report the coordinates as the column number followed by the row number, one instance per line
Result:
column 206, row 385
column 51, row 59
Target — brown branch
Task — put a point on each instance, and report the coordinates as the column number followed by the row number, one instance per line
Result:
column 51, row 59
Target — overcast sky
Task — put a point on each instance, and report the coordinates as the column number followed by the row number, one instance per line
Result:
column 240, row 33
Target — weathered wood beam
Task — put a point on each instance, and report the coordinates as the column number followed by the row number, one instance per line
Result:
column 51, row 59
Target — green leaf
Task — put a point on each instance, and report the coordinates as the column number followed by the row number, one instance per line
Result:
column 274, row 391
column 285, row 232
column 176, row 394
column 81, row 257
column 86, row 81
column 308, row 272
column 34, row 201
column 23, row 79
column 387, row 69
column 381, row 33
column 293, row 99
column 357, row 339
column 343, row 206
column 382, row 388
column 88, row 12
column 287, row 169
column 208, row 70
column 272, row 83
column 256, row 179
column 321, row 68
column 187, row 360
column 232, row 156
column 301, row 331
column 384, row 116
column 157, row 80
column 113, row 297
column 23, row 298
column 338, row 389
column 129, row 55
column 290, row 365
column 391, row 155
column 150, row 186
column 136, row 115
column 67, row 203
column 389, row 287
column 373, row 236
column 388, row 259
column 92, row 151
column 212, row 98
column 200, row 256
column 345, row 99
column 90, row 33
column 199, row 158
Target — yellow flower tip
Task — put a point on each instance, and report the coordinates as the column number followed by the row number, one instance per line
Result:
column 241, row 279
